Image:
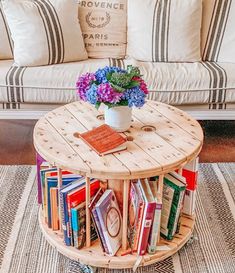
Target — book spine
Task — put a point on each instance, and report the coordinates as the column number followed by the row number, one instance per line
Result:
column 153, row 237
column 178, row 210
column 64, row 216
column 95, row 214
column 75, row 226
column 97, row 231
column 146, row 226
column 138, row 225
column 39, row 161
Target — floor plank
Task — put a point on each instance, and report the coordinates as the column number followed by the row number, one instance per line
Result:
column 16, row 142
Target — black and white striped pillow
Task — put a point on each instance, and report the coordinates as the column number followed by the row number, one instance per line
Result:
column 218, row 33
column 44, row 32
column 164, row 30
column 6, row 46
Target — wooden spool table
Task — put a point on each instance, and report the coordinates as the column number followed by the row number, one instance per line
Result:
column 162, row 138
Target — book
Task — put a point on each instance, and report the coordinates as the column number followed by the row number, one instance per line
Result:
column 189, row 204
column 156, row 225
column 41, row 164
column 140, row 213
column 93, row 216
column 172, row 200
column 190, row 172
column 77, row 196
column 55, row 223
column 104, row 140
column 149, row 210
column 78, row 216
column 64, row 208
column 53, row 182
column 110, row 220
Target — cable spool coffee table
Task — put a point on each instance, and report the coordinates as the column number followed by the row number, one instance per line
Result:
column 161, row 139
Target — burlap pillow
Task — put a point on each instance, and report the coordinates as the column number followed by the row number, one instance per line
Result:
column 218, row 34
column 5, row 38
column 44, row 32
column 103, row 24
column 164, row 30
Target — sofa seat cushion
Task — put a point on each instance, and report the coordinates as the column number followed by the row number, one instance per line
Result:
column 174, row 83
column 46, row 84
column 190, row 83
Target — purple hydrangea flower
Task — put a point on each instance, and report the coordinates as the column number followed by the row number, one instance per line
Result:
column 107, row 94
column 135, row 97
column 91, row 94
column 83, row 84
column 102, row 73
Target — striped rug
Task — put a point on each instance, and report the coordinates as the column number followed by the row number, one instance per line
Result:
column 24, row 250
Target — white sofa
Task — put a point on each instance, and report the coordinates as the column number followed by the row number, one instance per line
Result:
column 204, row 89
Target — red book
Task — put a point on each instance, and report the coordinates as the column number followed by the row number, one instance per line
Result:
column 148, row 215
column 190, row 172
column 104, row 140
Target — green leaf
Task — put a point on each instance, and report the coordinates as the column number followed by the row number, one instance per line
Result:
column 97, row 105
column 132, row 84
column 109, row 76
column 118, row 88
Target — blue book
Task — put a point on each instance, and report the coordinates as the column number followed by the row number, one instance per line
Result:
column 52, row 182
column 64, row 208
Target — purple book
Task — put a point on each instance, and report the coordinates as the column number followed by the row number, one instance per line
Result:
column 39, row 161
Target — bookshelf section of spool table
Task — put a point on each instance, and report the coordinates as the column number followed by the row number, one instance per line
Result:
column 162, row 138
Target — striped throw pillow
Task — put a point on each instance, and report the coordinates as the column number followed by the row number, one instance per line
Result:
column 218, row 33
column 103, row 24
column 44, row 32
column 164, row 30
column 5, row 38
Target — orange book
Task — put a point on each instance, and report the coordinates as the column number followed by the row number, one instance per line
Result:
column 54, row 209
column 104, row 140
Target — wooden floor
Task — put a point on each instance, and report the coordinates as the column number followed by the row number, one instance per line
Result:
column 16, row 142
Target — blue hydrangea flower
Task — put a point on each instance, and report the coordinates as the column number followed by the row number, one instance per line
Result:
column 135, row 97
column 101, row 73
column 91, row 94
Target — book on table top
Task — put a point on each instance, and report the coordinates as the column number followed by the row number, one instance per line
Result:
column 172, row 201
column 110, row 220
column 104, row 140
column 156, row 225
column 149, row 210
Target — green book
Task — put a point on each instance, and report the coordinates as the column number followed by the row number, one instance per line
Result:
column 172, row 200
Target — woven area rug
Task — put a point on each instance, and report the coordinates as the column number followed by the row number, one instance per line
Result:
column 24, row 250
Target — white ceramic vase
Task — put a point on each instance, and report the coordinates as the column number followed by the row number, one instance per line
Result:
column 118, row 117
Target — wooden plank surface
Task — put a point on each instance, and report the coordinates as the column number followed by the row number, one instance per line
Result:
column 175, row 140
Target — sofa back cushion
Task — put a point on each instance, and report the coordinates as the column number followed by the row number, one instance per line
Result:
column 103, row 24
column 164, row 30
column 5, row 38
column 44, row 32
column 218, row 30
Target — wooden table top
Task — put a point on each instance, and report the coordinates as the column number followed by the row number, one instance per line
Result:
column 176, row 139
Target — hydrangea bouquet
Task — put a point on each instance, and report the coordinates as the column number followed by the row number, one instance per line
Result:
column 113, row 86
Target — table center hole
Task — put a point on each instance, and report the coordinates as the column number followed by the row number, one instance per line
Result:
column 100, row 117
column 148, row 128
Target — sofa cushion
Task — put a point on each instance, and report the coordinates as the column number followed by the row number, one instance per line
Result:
column 44, row 32
column 175, row 83
column 164, row 30
column 5, row 38
column 103, row 25
column 218, row 35
column 190, row 83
